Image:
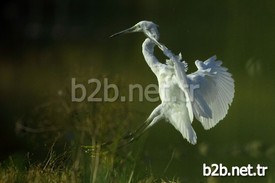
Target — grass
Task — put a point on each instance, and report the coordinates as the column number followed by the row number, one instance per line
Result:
column 71, row 131
column 56, row 133
column 83, row 168
column 54, row 130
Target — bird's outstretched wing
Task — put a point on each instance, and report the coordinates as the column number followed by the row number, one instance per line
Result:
column 213, row 91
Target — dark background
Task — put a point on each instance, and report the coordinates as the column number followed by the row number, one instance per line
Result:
column 44, row 43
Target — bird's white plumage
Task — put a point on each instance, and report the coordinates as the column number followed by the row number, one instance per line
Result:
column 183, row 84
column 215, row 93
column 205, row 94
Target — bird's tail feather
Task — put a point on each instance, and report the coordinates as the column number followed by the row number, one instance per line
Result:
column 189, row 134
column 186, row 130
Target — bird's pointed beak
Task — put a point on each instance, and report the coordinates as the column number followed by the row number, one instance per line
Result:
column 154, row 40
column 134, row 29
column 130, row 30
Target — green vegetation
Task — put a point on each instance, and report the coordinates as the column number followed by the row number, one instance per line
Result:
column 46, row 44
column 68, row 131
column 57, row 131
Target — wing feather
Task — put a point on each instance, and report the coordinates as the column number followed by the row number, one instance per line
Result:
column 214, row 94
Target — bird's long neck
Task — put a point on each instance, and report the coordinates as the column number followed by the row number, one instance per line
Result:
column 148, row 46
column 148, row 53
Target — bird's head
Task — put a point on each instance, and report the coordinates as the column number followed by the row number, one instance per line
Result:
column 150, row 30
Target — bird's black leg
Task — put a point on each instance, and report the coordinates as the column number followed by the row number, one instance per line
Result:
column 132, row 136
column 129, row 137
column 123, row 141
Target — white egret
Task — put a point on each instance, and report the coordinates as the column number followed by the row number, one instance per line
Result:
column 205, row 94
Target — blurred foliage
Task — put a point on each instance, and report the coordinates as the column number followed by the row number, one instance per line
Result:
column 75, row 115
column 44, row 44
column 58, row 128
column 74, row 123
